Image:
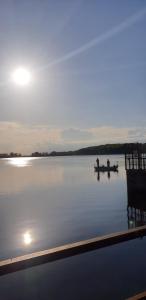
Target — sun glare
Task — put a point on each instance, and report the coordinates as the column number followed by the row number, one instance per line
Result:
column 21, row 76
column 27, row 238
column 19, row 161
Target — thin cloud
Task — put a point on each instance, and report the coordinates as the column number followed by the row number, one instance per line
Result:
column 18, row 137
column 99, row 39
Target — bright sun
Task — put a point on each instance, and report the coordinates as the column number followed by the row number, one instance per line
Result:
column 21, row 76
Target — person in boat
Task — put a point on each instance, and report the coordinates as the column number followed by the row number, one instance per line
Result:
column 97, row 161
column 108, row 163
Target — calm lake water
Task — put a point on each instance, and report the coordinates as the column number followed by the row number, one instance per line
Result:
column 46, row 202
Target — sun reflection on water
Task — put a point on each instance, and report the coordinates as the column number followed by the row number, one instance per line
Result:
column 27, row 238
column 19, row 161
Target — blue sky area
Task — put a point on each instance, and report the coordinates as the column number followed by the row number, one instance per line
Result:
column 88, row 66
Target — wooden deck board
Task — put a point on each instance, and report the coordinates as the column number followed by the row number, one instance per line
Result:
column 40, row 257
column 140, row 296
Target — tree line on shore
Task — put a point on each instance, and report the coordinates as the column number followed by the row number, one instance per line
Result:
column 93, row 150
column 104, row 149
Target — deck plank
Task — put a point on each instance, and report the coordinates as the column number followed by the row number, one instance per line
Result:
column 140, row 296
column 53, row 254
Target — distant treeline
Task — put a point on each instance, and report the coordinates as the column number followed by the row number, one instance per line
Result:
column 12, row 154
column 93, row 150
column 99, row 150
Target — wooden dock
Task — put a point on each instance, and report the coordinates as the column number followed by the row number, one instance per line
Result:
column 135, row 166
column 50, row 255
column 135, row 161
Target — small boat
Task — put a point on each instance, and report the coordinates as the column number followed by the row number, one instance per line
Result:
column 103, row 168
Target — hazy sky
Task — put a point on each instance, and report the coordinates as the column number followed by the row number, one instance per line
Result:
column 88, row 64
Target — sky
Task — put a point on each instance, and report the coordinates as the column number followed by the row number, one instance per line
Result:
column 88, row 65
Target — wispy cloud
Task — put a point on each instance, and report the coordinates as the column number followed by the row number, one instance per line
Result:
column 26, row 138
column 23, row 138
column 104, row 134
column 99, row 39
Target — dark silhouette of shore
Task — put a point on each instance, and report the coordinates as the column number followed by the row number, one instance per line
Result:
column 107, row 149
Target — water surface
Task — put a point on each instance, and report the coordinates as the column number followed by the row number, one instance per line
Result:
column 45, row 202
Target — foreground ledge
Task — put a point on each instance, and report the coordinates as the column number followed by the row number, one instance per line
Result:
column 138, row 296
column 41, row 257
